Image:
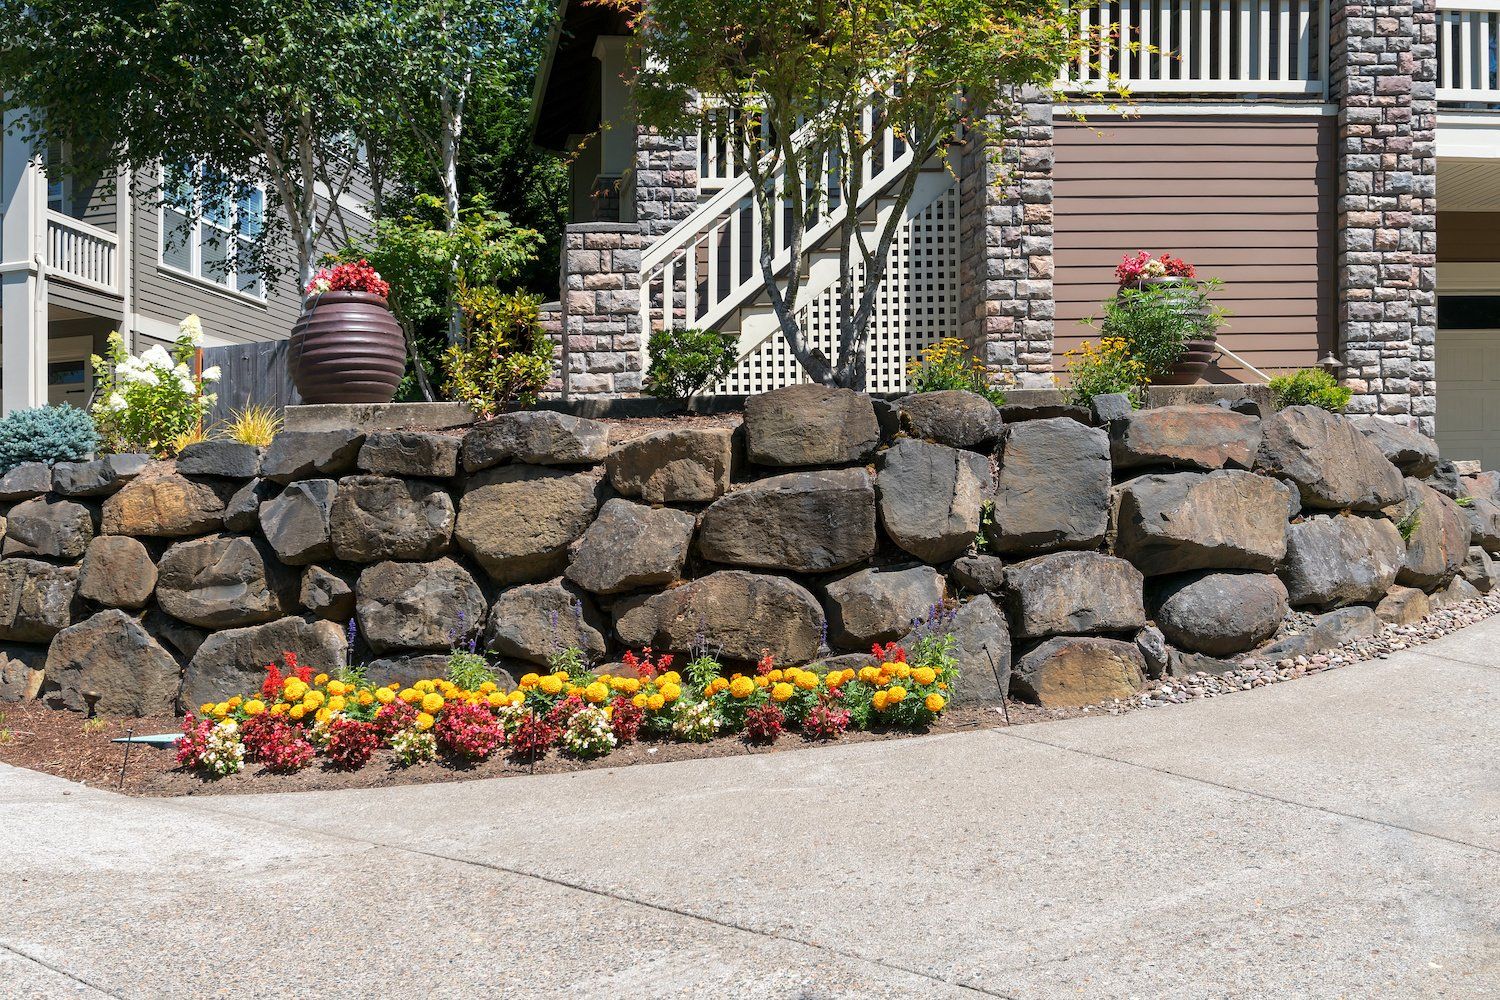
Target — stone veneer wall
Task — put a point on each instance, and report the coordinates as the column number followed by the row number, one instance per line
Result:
column 1005, row 239
column 826, row 522
column 1384, row 76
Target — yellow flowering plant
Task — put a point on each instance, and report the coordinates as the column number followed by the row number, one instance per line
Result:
column 907, row 686
column 949, row 365
column 1103, row 368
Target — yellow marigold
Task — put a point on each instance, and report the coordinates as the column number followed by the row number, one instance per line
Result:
column 924, row 675
column 516, row 697
column 279, row 708
column 320, row 680
column 424, row 685
column 365, row 698
column 488, row 687
column 934, row 702
column 411, row 696
column 574, row 689
column 776, row 675
column 903, row 670
column 671, row 692
column 316, row 697
column 896, row 693
column 595, row 692
column 741, row 687
column 297, row 712
column 761, row 682
column 561, row 675
column 550, row 685
column 293, row 690
column 324, row 714
column 529, row 680
column 432, row 702
column 655, row 702
column 781, row 691
column 255, row 707
column 834, row 679
column 495, row 699
column 336, row 703
column 220, row 710
column 639, row 701
column 337, row 687
column 632, row 684
column 869, row 674
column 207, row 708
column 879, row 701
column 235, row 702
column 670, row 677
column 719, row 684
column 424, row 721
column 806, row 680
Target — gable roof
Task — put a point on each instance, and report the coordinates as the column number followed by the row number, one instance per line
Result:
column 565, row 100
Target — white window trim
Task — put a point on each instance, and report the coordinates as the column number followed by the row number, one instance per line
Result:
column 195, row 247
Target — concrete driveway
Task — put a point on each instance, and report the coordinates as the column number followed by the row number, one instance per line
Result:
column 1337, row 836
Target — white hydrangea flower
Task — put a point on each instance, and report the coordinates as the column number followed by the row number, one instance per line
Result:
column 192, row 328
column 157, row 357
column 211, row 373
column 188, row 386
column 116, row 403
column 145, row 376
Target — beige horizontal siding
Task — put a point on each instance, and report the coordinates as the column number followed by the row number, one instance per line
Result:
column 1249, row 201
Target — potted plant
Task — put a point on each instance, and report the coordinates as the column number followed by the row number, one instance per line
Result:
column 347, row 346
column 1161, row 309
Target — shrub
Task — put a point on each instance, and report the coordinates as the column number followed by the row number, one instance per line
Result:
column 469, row 669
column 147, row 403
column 1098, row 370
column 254, row 425
column 947, row 365
column 504, row 357
column 1310, row 387
column 1156, row 322
column 684, row 363
column 46, row 434
column 277, row 744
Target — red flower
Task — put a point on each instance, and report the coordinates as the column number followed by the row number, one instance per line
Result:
column 277, row 744
column 469, row 731
column 565, row 710
column 625, row 720
column 349, row 277
column 643, row 665
column 891, row 652
column 391, row 719
column 767, row 663
column 825, row 722
column 194, row 740
column 351, row 743
column 533, row 737
column 764, row 723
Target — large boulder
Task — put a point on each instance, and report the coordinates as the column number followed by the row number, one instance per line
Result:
column 46, row 526
column 225, row 459
column 979, row 574
column 307, row 454
column 1446, row 480
column 1327, row 631
column 1184, row 521
column 224, row 581
column 802, row 522
column 117, row 572
column 743, row 613
column 1187, row 437
column 411, row 453
column 685, row 465
column 36, row 599
column 630, row 546
column 517, row 521
column 952, row 417
column 1458, row 591
column 1053, row 487
column 1405, row 447
column 982, row 647
column 1484, row 522
column 110, row 664
column 931, row 497
column 378, row 517
column 1074, row 593
column 165, row 506
column 1437, row 541
column 326, row 594
column 1403, row 606
column 22, row 672
column 1073, row 671
column 1480, row 570
column 418, row 606
column 97, row 477
column 810, row 424
column 1333, row 560
column 1218, row 613
column 298, row 523
column 27, row 480
column 533, row 621
column 242, row 509
column 535, row 437
column 407, row 670
column 233, row 661
column 879, row 605
column 1330, row 462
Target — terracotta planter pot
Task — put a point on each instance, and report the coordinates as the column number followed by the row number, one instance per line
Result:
column 346, row 347
column 1197, row 354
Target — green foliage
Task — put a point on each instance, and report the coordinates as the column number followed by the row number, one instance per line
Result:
column 1464, row 501
column 1409, row 524
column 468, row 669
column 1104, row 368
column 701, row 670
column 570, row 660
column 504, row 356
column 154, row 402
column 1157, row 321
column 684, row 363
column 46, row 434
column 948, row 365
column 986, row 518
column 1310, row 387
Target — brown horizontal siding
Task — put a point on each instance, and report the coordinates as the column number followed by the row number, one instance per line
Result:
column 1249, row 201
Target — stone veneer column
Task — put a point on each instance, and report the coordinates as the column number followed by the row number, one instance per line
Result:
column 1384, row 77
column 666, row 179
column 1005, row 239
column 601, row 326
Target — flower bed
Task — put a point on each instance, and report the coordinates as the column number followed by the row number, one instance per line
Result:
column 297, row 716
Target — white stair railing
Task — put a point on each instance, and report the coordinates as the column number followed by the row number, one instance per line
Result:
column 82, row 253
column 708, row 266
column 1203, row 47
column 1467, row 34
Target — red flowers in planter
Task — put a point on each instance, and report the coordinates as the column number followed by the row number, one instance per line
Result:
column 358, row 276
column 469, row 731
column 1134, row 269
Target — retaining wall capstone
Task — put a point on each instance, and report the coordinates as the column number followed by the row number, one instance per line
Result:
column 1083, row 551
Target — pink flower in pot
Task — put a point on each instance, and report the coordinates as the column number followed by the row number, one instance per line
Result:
column 347, row 346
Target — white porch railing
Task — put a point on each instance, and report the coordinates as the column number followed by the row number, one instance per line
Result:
column 1468, row 32
column 1204, row 47
column 79, row 252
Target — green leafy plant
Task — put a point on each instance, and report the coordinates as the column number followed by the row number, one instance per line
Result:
column 1310, row 387
column 684, row 363
column 948, row 365
column 46, row 434
column 1409, row 524
column 1157, row 321
column 1465, row 501
column 504, row 356
column 148, row 403
column 1104, row 368
column 469, row 669
column 986, row 518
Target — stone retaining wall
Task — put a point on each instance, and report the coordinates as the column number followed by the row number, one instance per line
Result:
column 1078, row 554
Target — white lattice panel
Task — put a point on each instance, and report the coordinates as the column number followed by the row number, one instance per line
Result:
column 917, row 306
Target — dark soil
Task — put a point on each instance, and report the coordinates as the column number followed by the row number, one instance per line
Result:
column 65, row 744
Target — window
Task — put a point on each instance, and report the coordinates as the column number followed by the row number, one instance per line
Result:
column 209, row 225
column 59, row 184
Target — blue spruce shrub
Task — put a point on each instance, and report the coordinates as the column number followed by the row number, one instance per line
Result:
column 46, row 434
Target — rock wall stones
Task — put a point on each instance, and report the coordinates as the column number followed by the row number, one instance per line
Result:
column 1074, row 552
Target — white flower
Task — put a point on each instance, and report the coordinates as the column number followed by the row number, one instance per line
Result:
column 188, row 386
column 211, row 373
column 116, row 403
column 143, row 376
column 157, row 357
column 319, row 285
column 1156, row 269
column 191, row 327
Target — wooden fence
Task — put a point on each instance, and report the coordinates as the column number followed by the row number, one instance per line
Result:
column 250, row 375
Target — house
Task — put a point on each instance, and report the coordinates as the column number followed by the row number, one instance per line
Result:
column 80, row 258
column 1335, row 162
